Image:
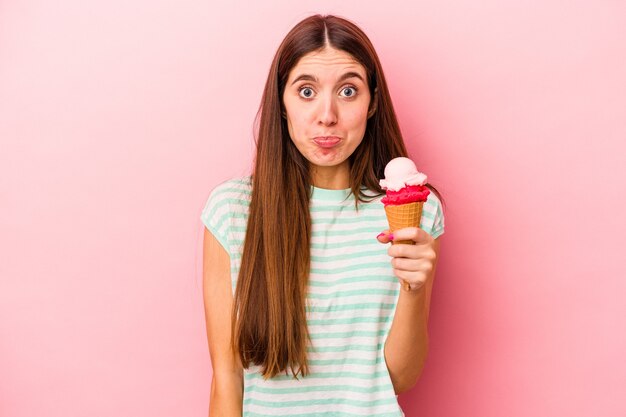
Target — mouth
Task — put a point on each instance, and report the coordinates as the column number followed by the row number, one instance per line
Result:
column 326, row 141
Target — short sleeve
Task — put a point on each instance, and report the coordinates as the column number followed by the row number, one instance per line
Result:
column 438, row 223
column 432, row 216
column 215, row 216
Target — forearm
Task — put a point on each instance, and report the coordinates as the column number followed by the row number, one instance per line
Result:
column 226, row 397
column 406, row 347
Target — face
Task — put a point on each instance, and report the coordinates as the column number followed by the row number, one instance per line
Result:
column 326, row 99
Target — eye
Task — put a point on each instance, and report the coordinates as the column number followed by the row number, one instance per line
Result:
column 351, row 91
column 305, row 92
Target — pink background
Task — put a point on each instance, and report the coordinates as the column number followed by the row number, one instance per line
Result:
column 117, row 119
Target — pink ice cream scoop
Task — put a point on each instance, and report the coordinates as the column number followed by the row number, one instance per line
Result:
column 403, row 182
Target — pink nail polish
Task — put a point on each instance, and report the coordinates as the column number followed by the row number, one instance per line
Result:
column 390, row 236
column 379, row 235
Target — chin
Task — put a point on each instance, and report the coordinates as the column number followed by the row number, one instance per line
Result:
column 326, row 163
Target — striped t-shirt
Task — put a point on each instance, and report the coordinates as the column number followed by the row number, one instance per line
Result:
column 352, row 296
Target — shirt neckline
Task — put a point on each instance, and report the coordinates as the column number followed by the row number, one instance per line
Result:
column 326, row 194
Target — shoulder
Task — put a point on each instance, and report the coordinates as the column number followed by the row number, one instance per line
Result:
column 227, row 194
column 240, row 186
column 227, row 201
column 232, row 192
column 433, row 203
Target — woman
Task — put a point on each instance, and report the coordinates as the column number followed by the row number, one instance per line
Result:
column 304, row 310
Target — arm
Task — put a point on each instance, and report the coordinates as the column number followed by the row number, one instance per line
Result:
column 406, row 347
column 227, row 383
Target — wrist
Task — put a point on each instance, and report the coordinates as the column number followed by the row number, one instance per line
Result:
column 413, row 302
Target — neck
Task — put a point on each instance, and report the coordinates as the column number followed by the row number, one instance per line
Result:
column 331, row 178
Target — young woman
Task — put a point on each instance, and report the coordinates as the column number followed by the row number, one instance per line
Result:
column 304, row 309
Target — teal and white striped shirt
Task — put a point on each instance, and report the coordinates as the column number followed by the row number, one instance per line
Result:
column 351, row 301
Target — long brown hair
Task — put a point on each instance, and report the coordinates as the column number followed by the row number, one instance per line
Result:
column 269, row 314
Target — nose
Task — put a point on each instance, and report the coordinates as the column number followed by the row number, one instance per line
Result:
column 327, row 112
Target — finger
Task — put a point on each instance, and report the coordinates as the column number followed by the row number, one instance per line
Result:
column 411, row 269
column 416, row 234
column 403, row 251
column 415, row 278
column 407, row 264
column 384, row 237
column 423, row 251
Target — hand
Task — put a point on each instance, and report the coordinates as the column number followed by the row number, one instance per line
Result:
column 412, row 264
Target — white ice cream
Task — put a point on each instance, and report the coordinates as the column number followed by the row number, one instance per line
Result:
column 401, row 172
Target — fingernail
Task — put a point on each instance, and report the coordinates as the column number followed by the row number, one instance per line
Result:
column 390, row 236
column 379, row 235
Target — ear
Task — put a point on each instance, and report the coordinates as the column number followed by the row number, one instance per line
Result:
column 373, row 104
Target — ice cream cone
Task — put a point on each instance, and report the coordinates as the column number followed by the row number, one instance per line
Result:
column 404, row 198
column 404, row 215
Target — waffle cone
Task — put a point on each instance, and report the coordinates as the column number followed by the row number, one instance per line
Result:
column 404, row 215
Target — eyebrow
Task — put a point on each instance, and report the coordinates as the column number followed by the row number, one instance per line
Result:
column 345, row 76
